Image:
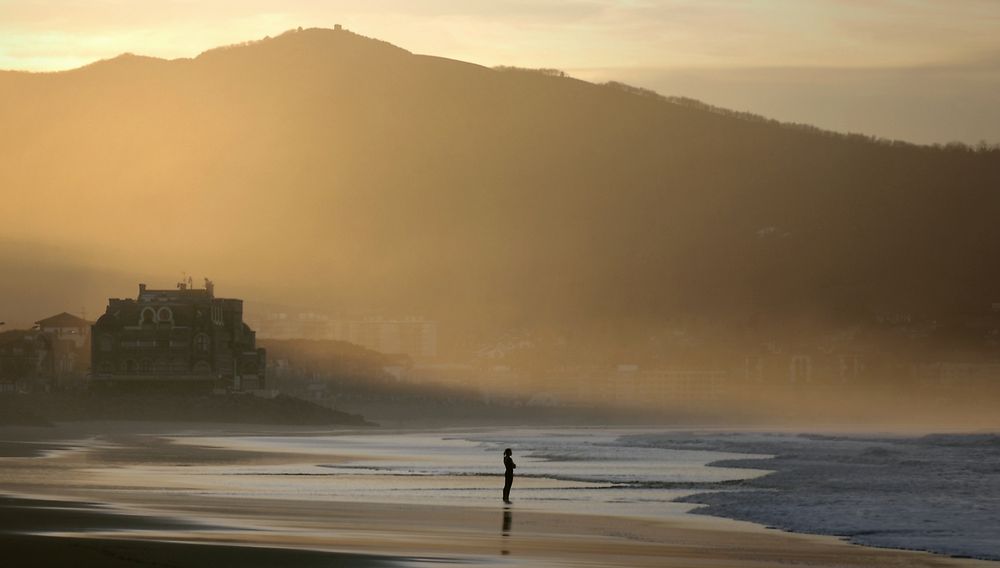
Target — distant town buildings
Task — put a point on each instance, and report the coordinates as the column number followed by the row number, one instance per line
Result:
column 68, row 337
column 188, row 336
column 413, row 336
column 182, row 335
column 55, row 353
column 66, row 327
column 673, row 386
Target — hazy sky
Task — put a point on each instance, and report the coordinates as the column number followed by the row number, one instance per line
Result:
column 922, row 70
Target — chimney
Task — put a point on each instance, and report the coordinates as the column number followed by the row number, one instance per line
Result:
column 142, row 288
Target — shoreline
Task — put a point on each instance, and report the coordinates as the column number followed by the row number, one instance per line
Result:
column 389, row 535
column 932, row 493
column 369, row 533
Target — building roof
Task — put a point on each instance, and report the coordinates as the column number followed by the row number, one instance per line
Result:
column 63, row 320
column 16, row 336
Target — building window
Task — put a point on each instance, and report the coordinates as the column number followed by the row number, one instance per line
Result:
column 128, row 366
column 107, row 367
column 202, row 368
column 801, row 369
column 145, row 366
column 107, row 343
column 148, row 316
column 202, row 343
column 164, row 315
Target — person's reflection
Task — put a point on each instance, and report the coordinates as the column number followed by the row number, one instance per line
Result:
column 505, row 529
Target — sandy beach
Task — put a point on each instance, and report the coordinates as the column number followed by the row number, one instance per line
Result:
column 72, row 495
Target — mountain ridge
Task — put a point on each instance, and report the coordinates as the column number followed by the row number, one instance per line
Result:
column 289, row 40
column 358, row 173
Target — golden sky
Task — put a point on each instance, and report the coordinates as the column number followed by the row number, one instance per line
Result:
column 60, row 34
column 676, row 46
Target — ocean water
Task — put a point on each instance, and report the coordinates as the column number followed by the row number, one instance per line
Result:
column 938, row 493
column 935, row 493
column 559, row 470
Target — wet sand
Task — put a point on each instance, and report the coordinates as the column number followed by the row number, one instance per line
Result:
column 27, row 527
column 94, row 521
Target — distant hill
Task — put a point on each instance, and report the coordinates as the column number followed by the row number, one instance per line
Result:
column 338, row 170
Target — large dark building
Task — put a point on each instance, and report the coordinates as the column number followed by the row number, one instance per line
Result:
column 185, row 335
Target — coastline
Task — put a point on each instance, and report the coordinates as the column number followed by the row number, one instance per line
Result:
column 155, row 523
column 936, row 493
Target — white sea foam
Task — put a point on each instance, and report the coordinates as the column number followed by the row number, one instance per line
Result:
column 937, row 493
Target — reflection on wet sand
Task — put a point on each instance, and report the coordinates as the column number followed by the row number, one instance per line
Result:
column 505, row 529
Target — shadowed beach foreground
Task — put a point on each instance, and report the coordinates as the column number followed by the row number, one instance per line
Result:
column 75, row 500
column 25, row 526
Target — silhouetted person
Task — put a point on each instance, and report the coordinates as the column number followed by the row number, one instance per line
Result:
column 508, row 475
